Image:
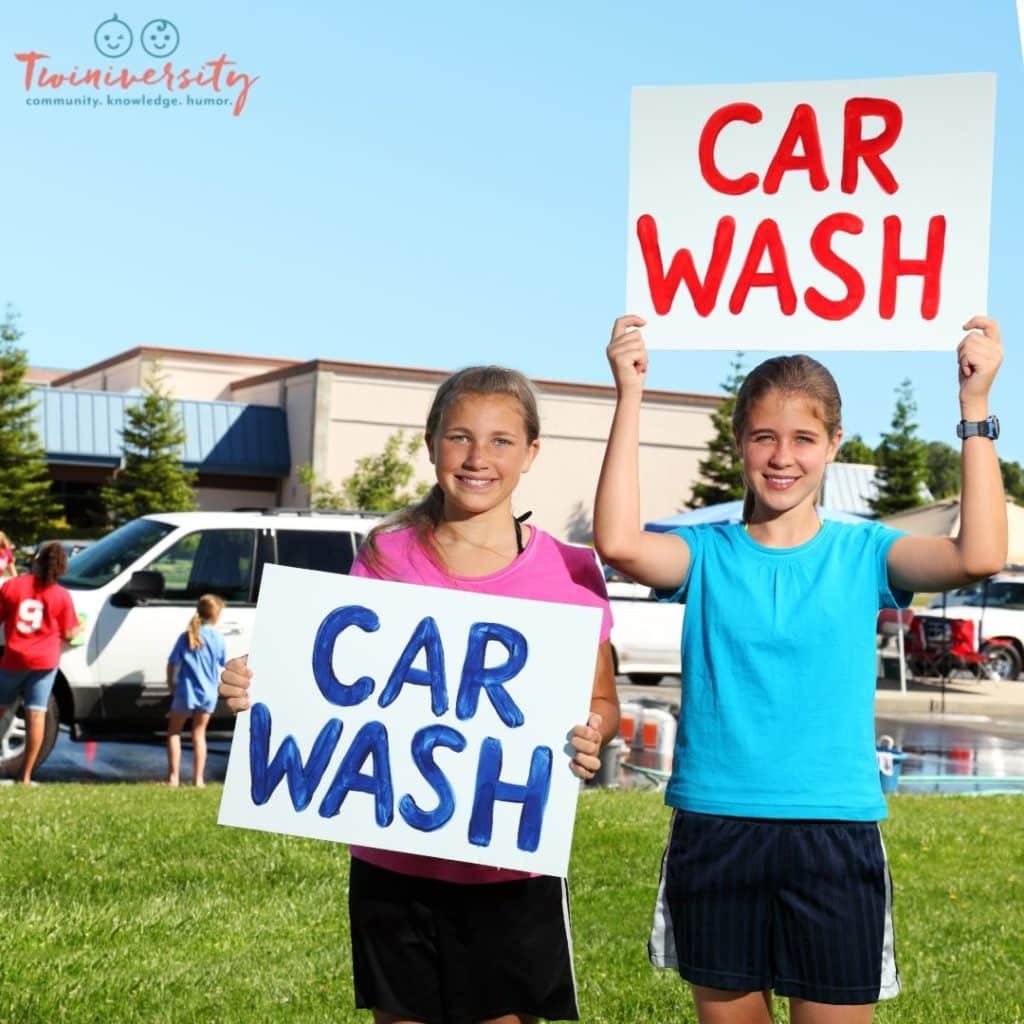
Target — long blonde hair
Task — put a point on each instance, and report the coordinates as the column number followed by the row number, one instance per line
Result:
column 789, row 375
column 208, row 608
column 425, row 515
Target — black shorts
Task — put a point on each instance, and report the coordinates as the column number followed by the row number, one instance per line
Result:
column 445, row 953
column 801, row 907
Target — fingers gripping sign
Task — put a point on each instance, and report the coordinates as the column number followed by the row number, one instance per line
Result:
column 585, row 740
column 235, row 681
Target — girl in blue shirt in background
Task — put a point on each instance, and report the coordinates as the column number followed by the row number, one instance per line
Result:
column 193, row 670
column 775, row 876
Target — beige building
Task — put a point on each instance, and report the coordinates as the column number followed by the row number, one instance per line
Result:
column 327, row 414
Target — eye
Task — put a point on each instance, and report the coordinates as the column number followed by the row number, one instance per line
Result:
column 503, row 442
column 457, row 438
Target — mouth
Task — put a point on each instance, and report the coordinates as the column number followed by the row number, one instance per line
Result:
column 780, row 483
column 474, row 483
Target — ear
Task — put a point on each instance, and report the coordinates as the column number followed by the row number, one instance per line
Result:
column 833, row 446
column 531, row 453
column 428, row 441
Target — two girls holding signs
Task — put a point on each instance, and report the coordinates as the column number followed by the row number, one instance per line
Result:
column 775, row 875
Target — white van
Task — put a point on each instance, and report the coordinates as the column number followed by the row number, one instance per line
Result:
column 137, row 588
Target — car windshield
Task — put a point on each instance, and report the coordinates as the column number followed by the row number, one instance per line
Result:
column 98, row 564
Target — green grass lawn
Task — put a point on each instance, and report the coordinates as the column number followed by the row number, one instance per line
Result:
column 126, row 903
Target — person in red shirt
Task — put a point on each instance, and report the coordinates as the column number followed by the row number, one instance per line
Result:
column 36, row 613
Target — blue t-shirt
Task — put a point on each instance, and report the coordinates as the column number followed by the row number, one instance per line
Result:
column 779, row 673
column 198, row 670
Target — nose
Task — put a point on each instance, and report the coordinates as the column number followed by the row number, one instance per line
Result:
column 781, row 455
column 474, row 455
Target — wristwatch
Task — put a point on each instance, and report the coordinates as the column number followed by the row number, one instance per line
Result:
column 978, row 428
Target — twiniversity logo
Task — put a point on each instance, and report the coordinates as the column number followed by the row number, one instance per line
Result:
column 212, row 83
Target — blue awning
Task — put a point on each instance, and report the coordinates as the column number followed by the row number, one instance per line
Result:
column 80, row 427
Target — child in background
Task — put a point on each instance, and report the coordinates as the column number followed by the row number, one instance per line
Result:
column 36, row 613
column 7, row 567
column 775, row 876
column 192, row 672
column 442, row 941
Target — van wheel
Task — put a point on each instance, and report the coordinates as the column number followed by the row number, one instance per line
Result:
column 12, row 738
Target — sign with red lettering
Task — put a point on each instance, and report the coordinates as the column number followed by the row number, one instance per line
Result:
column 811, row 215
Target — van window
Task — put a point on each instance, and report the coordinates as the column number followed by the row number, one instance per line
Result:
column 326, row 550
column 208, row 562
column 96, row 565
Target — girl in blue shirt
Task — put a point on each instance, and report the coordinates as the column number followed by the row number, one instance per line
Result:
column 775, row 876
column 193, row 670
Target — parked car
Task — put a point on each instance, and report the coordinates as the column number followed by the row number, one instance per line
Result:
column 646, row 632
column 137, row 587
column 995, row 607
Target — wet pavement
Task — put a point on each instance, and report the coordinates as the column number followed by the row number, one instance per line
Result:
column 956, row 751
column 109, row 761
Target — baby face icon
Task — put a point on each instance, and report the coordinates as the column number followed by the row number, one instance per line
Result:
column 159, row 38
column 113, row 38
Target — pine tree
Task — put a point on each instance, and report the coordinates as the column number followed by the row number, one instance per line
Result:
column 28, row 510
column 378, row 483
column 722, row 471
column 151, row 477
column 902, row 461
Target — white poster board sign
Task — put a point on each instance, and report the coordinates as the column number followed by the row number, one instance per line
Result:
column 811, row 215
column 414, row 719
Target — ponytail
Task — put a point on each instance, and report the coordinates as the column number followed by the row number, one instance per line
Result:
column 208, row 607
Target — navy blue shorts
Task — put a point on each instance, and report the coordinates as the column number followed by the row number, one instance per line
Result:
column 800, row 907
column 447, row 953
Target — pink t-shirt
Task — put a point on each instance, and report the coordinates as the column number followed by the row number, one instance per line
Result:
column 547, row 570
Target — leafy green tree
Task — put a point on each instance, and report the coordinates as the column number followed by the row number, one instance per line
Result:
column 1013, row 480
column 901, row 459
column 855, row 449
column 943, row 462
column 722, row 471
column 28, row 510
column 151, row 477
column 378, row 484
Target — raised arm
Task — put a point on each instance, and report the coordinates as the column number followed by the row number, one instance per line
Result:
column 979, row 548
column 654, row 559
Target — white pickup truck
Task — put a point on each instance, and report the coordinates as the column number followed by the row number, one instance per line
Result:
column 996, row 607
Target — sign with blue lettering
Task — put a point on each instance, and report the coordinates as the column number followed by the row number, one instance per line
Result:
column 413, row 719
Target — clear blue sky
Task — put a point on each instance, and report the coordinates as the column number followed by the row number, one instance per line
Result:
column 433, row 185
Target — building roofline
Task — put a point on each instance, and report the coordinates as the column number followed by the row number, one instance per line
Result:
column 421, row 375
column 158, row 350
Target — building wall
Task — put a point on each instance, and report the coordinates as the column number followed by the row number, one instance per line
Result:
column 204, row 377
column 218, row 499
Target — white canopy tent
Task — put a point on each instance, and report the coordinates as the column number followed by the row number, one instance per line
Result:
column 942, row 519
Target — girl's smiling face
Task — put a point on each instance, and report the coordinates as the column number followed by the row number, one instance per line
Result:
column 480, row 453
column 785, row 448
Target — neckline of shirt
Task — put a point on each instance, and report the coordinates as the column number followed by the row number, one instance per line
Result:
column 798, row 549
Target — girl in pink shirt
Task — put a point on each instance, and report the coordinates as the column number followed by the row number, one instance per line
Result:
column 441, row 941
